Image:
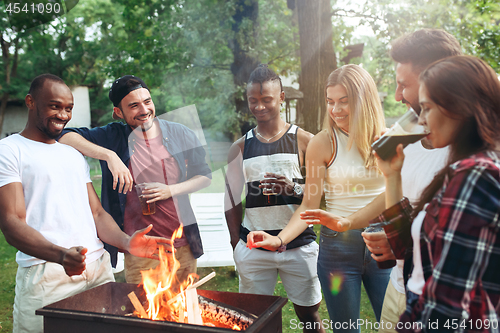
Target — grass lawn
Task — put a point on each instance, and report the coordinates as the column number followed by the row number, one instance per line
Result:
column 8, row 268
column 225, row 280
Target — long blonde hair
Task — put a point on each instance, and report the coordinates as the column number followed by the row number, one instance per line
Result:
column 366, row 117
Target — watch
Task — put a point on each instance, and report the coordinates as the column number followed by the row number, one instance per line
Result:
column 298, row 191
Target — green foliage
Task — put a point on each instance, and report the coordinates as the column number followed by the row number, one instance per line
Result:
column 181, row 48
column 487, row 31
column 380, row 66
column 474, row 23
column 8, row 267
column 277, row 44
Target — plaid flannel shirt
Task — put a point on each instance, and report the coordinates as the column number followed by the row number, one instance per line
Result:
column 460, row 250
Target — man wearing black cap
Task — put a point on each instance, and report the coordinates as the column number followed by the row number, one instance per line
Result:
column 166, row 156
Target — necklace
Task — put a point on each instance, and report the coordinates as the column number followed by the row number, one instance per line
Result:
column 275, row 135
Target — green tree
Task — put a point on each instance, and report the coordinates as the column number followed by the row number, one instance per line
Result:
column 10, row 43
column 474, row 23
column 73, row 46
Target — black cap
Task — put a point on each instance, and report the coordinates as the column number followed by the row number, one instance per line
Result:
column 123, row 86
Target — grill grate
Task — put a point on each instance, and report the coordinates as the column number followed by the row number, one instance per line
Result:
column 105, row 309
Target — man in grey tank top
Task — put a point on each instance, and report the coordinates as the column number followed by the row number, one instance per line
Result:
column 268, row 160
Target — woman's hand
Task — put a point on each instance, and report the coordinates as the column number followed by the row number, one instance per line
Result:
column 393, row 166
column 264, row 240
column 378, row 245
column 332, row 221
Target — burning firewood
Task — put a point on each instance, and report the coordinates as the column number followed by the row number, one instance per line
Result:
column 193, row 308
column 193, row 286
column 173, row 300
column 199, row 310
column 224, row 316
column 137, row 305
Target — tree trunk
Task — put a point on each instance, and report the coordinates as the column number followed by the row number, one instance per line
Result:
column 3, row 107
column 243, row 64
column 6, row 62
column 317, row 59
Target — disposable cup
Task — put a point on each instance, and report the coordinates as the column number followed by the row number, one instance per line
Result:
column 147, row 208
column 381, row 264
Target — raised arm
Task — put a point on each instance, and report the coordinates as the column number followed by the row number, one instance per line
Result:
column 392, row 173
column 139, row 244
column 159, row 191
column 120, row 172
column 357, row 220
column 235, row 182
column 462, row 231
column 198, row 175
column 28, row 240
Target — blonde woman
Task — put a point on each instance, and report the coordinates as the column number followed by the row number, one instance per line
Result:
column 339, row 163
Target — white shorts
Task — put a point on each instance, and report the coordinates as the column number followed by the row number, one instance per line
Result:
column 44, row 284
column 258, row 271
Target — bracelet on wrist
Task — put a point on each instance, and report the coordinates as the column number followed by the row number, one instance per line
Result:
column 282, row 246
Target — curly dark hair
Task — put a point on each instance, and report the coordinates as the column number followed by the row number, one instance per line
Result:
column 422, row 47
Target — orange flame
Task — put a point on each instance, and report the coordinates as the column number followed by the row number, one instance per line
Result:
column 161, row 284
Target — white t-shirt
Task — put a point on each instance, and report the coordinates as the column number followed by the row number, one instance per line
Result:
column 54, row 179
column 419, row 168
column 417, row 281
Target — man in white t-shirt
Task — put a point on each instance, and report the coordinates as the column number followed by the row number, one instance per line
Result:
column 413, row 53
column 50, row 212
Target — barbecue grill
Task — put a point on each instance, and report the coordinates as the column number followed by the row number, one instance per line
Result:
column 107, row 308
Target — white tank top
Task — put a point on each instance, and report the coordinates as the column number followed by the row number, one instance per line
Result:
column 349, row 186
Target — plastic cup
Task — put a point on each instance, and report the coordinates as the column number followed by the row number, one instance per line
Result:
column 381, row 264
column 147, row 208
column 271, row 198
column 406, row 130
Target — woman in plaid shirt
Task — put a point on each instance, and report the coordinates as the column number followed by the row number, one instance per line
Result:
column 455, row 283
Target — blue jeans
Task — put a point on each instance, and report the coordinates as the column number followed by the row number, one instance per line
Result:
column 343, row 262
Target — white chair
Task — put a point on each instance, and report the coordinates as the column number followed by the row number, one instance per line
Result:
column 209, row 211
column 120, row 265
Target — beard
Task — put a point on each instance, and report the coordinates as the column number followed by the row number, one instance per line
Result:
column 414, row 106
